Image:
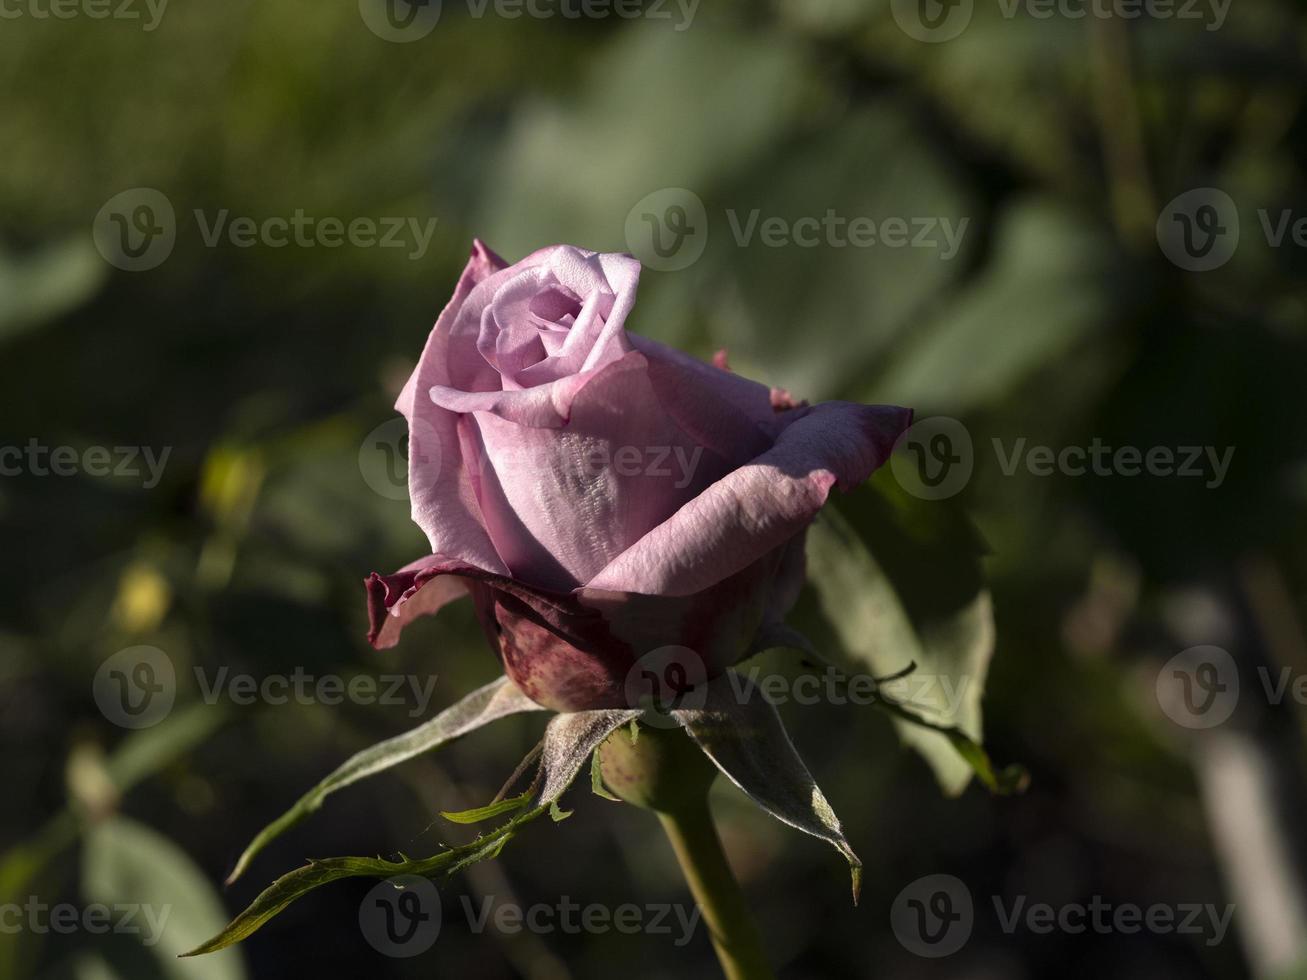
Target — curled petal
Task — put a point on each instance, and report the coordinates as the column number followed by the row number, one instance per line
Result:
column 421, row 588
column 761, row 505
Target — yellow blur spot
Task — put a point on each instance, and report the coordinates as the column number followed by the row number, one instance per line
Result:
column 143, row 599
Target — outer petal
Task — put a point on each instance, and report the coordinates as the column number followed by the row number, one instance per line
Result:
column 761, row 505
column 444, row 504
column 420, row 588
column 577, row 651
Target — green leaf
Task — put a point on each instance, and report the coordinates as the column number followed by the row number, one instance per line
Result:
column 1044, row 290
column 486, row 812
column 740, row 731
column 892, row 290
column 569, row 740
column 948, row 632
column 37, row 289
column 496, row 700
column 1010, row 779
column 597, row 780
column 558, row 814
column 540, row 193
column 128, row 864
column 143, row 753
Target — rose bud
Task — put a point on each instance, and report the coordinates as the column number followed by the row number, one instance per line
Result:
column 603, row 497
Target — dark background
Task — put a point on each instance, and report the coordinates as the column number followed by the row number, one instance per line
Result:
column 1061, row 319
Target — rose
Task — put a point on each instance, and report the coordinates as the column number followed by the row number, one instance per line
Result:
column 535, row 426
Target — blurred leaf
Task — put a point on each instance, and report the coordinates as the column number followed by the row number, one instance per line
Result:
column 1045, row 288
column 950, row 645
column 572, row 174
column 89, row 966
column 791, row 300
column 128, row 864
column 145, row 752
column 36, row 289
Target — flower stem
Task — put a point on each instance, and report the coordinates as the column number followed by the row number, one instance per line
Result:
column 664, row 771
column 699, row 851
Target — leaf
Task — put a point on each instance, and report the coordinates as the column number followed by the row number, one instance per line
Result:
column 486, row 812
column 496, row 700
column 546, row 187
column 950, row 638
column 1045, row 289
column 569, row 740
column 597, row 780
column 37, row 289
column 143, row 753
column 1011, row 779
column 558, row 814
column 128, row 864
column 740, row 731
column 856, row 300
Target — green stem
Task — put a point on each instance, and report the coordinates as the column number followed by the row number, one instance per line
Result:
column 699, row 851
column 666, row 772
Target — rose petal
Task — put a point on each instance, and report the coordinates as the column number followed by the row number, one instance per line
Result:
column 420, row 588
column 576, row 499
column 546, row 406
column 443, row 502
column 728, row 414
column 575, row 651
column 762, row 504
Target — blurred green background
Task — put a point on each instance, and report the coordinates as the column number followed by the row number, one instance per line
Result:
column 265, row 370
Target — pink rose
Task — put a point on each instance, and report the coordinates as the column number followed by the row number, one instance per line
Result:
column 601, row 496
